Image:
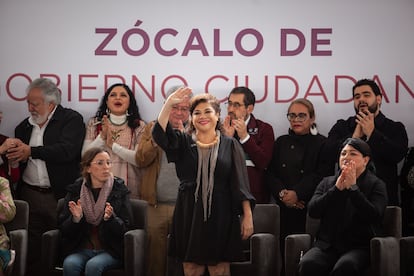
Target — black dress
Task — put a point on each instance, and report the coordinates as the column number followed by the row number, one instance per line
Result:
column 217, row 239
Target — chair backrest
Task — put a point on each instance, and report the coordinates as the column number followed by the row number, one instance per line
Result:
column 266, row 219
column 21, row 220
column 139, row 214
column 391, row 223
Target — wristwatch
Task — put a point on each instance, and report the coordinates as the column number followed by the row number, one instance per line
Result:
column 354, row 187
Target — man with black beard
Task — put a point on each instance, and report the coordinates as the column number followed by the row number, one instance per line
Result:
column 388, row 139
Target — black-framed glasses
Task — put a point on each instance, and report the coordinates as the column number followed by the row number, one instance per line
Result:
column 100, row 163
column 236, row 105
column 297, row 117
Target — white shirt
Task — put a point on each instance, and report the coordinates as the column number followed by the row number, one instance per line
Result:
column 36, row 172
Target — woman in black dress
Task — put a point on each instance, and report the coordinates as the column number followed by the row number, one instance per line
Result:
column 213, row 211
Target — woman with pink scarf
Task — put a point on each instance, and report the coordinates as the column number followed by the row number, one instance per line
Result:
column 95, row 216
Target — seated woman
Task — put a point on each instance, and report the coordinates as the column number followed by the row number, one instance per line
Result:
column 95, row 217
column 7, row 213
column 350, row 206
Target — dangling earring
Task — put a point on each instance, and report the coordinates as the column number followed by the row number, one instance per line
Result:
column 108, row 111
column 127, row 113
column 313, row 129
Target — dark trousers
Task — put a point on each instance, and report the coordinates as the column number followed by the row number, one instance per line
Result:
column 329, row 262
column 42, row 217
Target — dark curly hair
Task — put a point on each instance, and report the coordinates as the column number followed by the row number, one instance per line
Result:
column 134, row 117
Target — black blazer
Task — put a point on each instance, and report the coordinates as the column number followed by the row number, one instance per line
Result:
column 62, row 146
column 349, row 219
column 111, row 232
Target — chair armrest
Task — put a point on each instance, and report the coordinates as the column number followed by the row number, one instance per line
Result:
column 295, row 246
column 407, row 255
column 263, row 253
column 265, row 250
column 50, row 250
column 385, row 256
column 19, row 242
column 134, row 250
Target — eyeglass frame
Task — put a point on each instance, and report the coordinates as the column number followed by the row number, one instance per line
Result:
column 235, row 105
column 300, row 117
column 100, row 163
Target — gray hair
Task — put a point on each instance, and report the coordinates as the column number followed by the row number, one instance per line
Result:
column 49, row 89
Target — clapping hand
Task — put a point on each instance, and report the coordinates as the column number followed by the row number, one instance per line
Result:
column 76, row 209
column 108, row 211
column 347, row 178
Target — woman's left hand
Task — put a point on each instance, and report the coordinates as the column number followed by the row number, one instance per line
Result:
column 246, row 227
column 108, row 211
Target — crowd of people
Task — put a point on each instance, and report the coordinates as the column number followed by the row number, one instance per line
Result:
column 202, row 176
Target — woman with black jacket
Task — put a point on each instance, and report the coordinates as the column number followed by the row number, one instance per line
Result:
column 95, row 217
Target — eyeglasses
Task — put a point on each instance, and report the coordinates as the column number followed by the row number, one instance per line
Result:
column 179, row 108
column 236, row 105
column 100, row 163
column 298, row 117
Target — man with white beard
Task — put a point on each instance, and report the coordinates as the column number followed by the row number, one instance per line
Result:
column 388, row 139
column 49, row 144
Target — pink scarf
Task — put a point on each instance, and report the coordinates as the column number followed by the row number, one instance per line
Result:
column 94, row 212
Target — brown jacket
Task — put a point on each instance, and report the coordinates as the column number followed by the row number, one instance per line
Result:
column 148, row 155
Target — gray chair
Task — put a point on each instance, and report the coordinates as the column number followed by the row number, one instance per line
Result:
column 407, row 256
column 134, row 245
column 262, row 250
column 17, row 230
column 385, row 251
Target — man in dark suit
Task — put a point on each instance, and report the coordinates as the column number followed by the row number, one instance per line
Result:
column 49, row 152
column 255, row 136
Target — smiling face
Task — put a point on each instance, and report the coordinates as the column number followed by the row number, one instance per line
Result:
column 204, row 117
column 366, row 100
column 180, row 113
column 302, row 122
column 118, row 100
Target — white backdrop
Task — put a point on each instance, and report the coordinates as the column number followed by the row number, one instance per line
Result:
column 280, row 49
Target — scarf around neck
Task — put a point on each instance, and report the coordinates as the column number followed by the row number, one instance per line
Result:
column 207, row 160
column 94, row 211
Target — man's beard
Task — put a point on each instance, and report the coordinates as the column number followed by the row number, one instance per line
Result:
column 371, row 108
column 39, row 119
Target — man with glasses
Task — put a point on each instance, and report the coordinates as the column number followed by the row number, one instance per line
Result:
column 255, row 136
column 388, row 139
column 49, row 144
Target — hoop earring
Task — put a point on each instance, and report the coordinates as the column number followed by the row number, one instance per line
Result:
column 313, row 129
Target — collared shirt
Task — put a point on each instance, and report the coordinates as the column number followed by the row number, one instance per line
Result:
column 248, row 135
column 36, row 172
column 249, row 162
